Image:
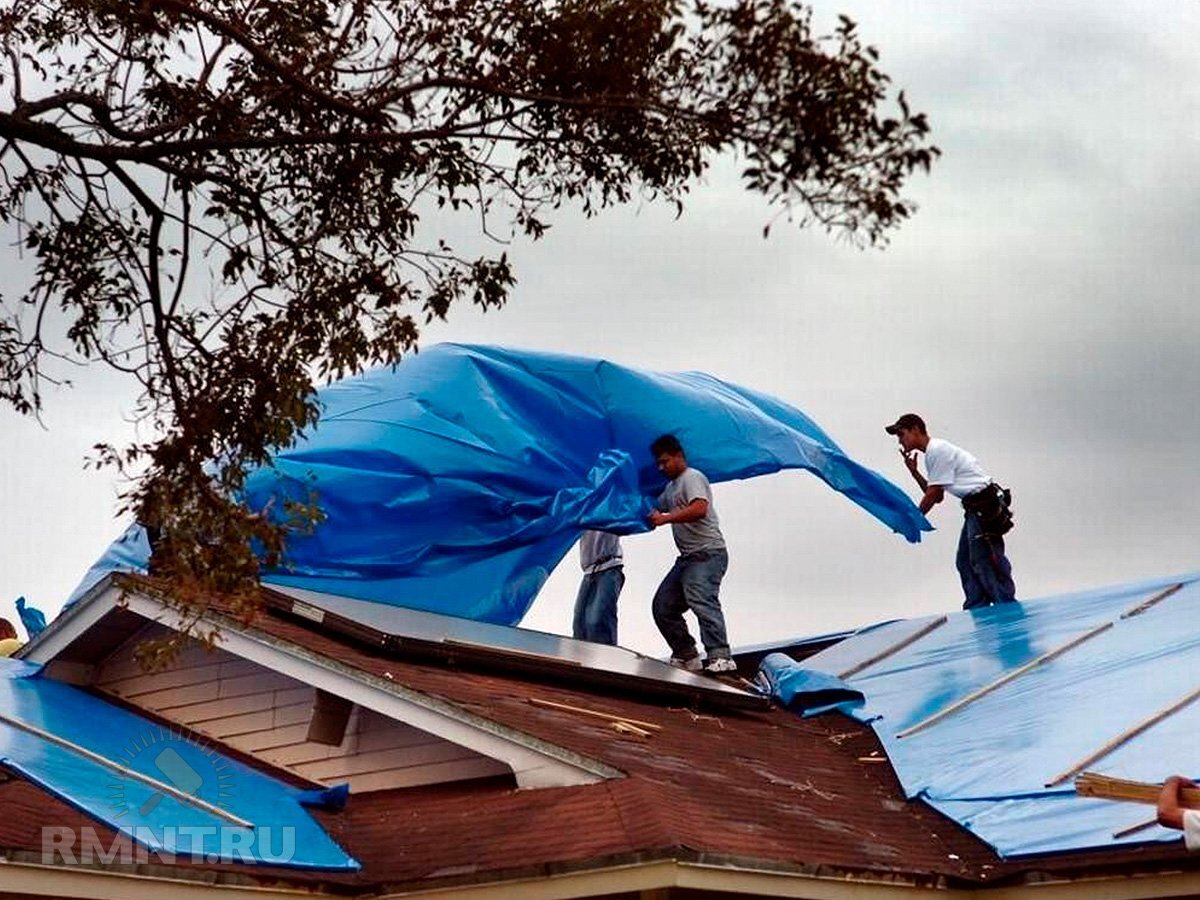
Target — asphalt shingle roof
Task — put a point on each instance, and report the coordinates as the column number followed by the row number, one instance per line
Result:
column 761, row 787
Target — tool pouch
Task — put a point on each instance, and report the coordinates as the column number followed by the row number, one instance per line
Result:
column 993, row 505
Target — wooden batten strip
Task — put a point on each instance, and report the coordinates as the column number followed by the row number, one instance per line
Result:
column 622, row 727
column 894, row 648
column 1146, row 604
column 1003, row 680
column 1125, row 736
column 125, row 772
column 1134, row 829
column 550, row 704
column 1093, row 784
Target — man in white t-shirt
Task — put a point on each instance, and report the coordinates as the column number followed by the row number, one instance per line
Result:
column 984, row 569
column 1173, row 814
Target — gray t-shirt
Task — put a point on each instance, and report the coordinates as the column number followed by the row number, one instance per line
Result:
column 703, row 534
column 599, row 550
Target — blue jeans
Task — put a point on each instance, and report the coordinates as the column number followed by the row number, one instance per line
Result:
column 985, row 571
column 693, row 583
column 596, row 606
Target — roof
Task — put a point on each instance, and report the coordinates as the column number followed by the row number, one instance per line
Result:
column 752, row 785
column 759, row 792
column 989, row 715
column 172, row 791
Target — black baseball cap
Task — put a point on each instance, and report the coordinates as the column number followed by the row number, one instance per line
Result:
column 905, row 422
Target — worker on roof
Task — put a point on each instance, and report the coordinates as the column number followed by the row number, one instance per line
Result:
column 9, row 642
column 1173, row 814
column 985, row 571
column 694, row 582
column 603, row 577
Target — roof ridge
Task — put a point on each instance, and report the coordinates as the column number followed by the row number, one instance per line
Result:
column 641, row 811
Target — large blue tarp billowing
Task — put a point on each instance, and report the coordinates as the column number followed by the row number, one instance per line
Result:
column 456, row 481
column 281, row 832
column 987, row 765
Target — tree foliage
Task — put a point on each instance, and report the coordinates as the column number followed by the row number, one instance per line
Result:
column 234, row 200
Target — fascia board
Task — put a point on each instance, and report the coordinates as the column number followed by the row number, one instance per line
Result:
column 80, row 883
column 534, row 762
column 72, row 623
column 743, row 881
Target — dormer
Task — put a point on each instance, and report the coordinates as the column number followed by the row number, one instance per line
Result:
column 316, row 685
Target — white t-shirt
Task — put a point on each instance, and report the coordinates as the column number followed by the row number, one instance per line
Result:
column 953, row 468
column 1191, row 829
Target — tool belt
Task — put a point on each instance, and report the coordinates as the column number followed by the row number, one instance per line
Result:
column 993, row 506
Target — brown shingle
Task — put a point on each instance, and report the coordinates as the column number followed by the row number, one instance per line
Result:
column 750, row 785
column 763, row 788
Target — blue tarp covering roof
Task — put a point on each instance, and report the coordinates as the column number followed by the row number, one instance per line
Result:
column 987, row 765
column 283, row 833
column 457, row 481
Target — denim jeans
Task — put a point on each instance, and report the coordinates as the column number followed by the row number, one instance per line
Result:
column 693, row 583
column 985, row 571
column 596, row 606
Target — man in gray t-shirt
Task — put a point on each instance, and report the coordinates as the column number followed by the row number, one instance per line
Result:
column 603, row 566
column 694, row 582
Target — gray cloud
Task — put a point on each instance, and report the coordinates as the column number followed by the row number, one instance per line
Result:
column 1039, row 310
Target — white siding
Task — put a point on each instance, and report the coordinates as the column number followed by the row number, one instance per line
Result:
column 266, row 714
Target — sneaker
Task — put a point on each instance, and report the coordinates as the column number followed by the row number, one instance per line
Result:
column 720, row 664
column 692, row 664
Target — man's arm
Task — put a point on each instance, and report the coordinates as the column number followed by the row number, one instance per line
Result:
column 693, row 512
column 1170, row 813
column 932, row 497
column 931, row 494
column 910, row 460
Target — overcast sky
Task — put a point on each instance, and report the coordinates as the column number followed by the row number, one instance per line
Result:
column 1039, row 310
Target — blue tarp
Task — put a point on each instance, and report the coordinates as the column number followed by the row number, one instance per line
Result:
column 987, row 765
column 283, row 832
column 802, row 689
column 457, row 481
